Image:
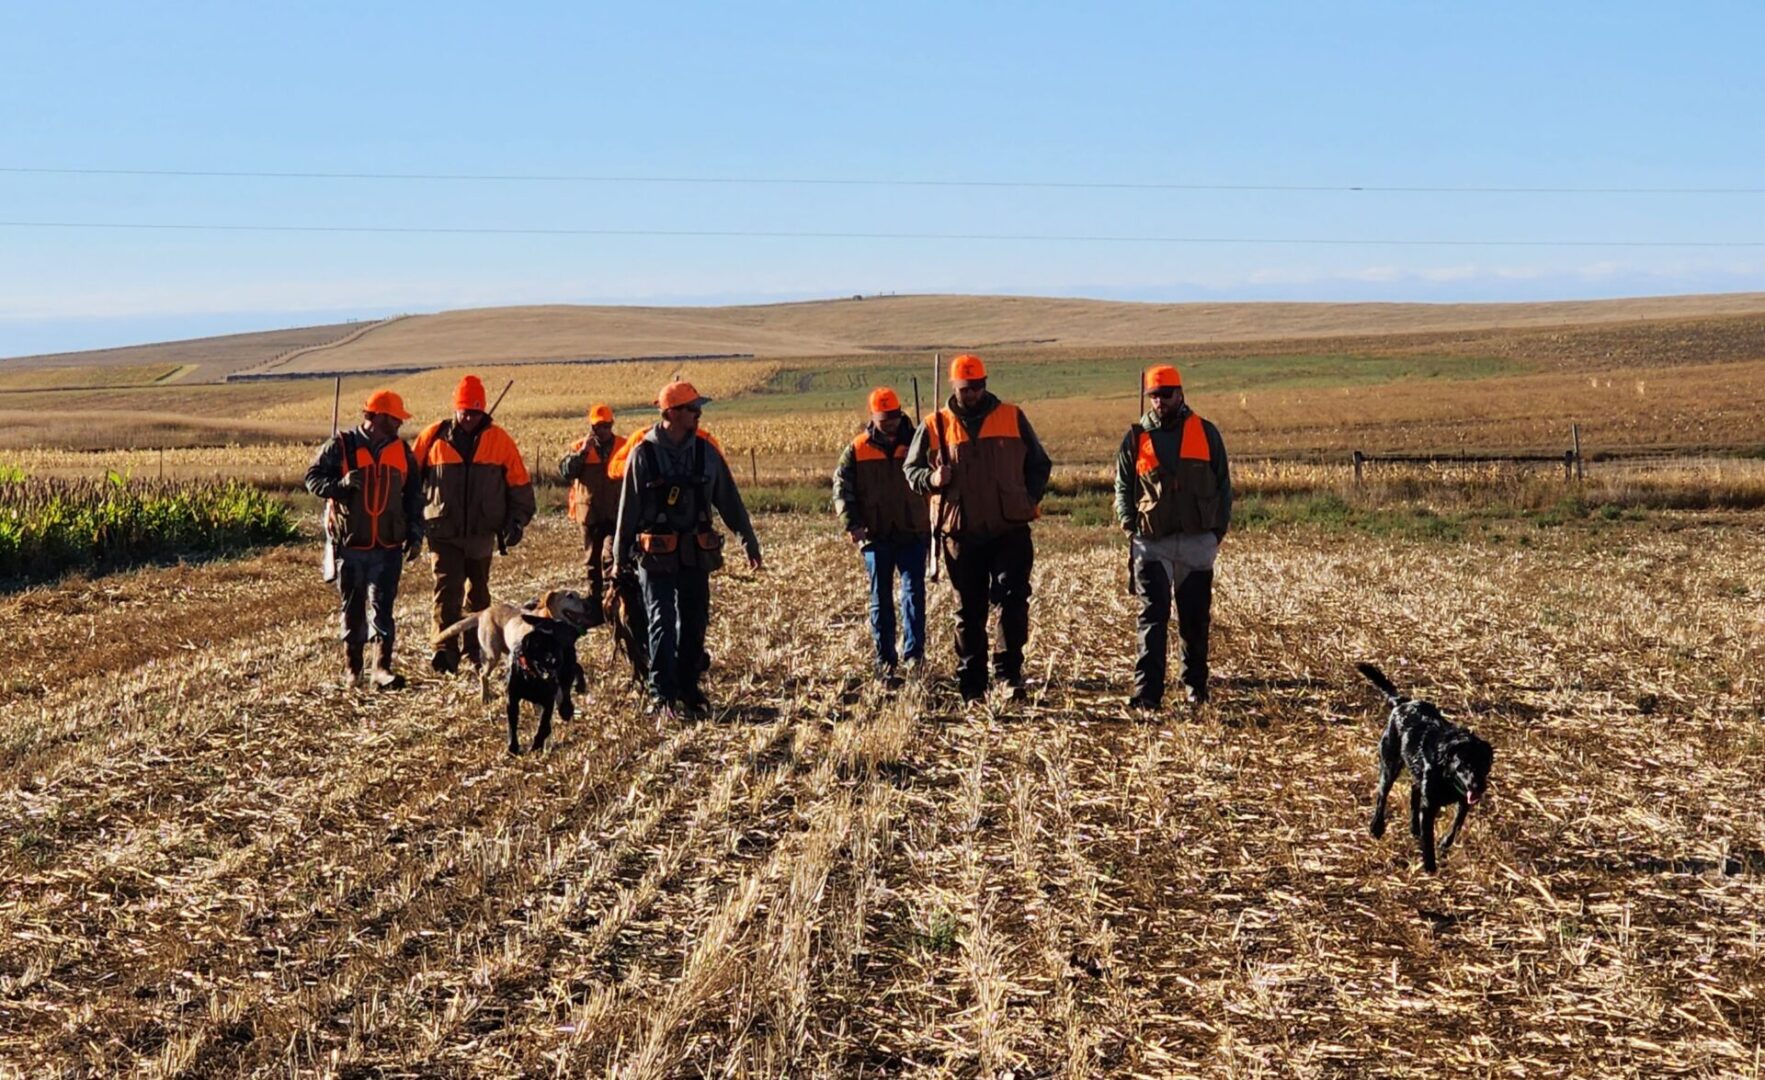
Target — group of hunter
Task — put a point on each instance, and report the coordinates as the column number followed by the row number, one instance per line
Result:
column 964, row 486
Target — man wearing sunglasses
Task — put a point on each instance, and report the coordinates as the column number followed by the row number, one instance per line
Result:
column 1173, row 497
column 674, row 477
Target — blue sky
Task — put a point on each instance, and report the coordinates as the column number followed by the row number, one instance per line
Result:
column 1322, row 95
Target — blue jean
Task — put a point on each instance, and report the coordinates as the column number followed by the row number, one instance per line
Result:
column 679, row 608
column 882, row 560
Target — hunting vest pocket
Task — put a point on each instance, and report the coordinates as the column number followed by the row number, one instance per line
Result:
column 660, row 552
column 707, row 551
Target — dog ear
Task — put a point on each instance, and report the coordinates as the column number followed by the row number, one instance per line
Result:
column 547, row 600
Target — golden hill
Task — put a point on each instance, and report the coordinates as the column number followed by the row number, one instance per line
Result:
column 883, row 324
column 846, row 327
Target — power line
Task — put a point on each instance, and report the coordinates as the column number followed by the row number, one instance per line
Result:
column 789, row 234
column 828, row 181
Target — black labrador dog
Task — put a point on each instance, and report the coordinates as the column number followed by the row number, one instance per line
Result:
column 1447, row 764
column 543, row 670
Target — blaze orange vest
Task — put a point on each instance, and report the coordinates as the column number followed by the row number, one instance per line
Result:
column 887, row 507
column 594, row 494
column 373, row 515
column 986, row 495
column 1180, row 496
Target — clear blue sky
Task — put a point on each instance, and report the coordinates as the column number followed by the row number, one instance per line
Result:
column 1580, row 95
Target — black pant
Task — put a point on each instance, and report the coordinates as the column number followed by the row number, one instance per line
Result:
column 1194, row 595
column 989, row 573
column 678, row 605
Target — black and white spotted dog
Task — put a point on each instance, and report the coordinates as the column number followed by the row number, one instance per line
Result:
column 1447, row 764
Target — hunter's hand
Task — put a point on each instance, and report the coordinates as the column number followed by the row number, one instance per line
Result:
column 941, row 476
column 858, row 535
column 352, row 481
column 413, row 547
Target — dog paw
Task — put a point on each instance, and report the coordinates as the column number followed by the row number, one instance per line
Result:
column 1377, row 828
column 514, row 749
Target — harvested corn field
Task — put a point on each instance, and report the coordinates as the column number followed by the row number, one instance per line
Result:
column 220, row 862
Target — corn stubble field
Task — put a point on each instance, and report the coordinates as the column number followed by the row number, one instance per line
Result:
column 220, row 862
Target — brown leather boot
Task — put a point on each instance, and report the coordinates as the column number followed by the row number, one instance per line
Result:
column 384, row 678
column 353, row 658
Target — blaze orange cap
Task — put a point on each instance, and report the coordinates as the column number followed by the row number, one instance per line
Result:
column 385, row 401
column 884, row 400
column 676, row 394
column 966, row 368
column 1163, row 377
column 600, row 413
column 469, row 394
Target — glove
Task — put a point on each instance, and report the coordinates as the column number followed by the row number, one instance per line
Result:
column 512, row 534
column 352, row 481
column 413, row 546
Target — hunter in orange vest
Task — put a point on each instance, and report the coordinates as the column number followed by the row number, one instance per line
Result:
column 891, row 525
column 375, row 518
column 594, row 496
column 1173, row 497
column 477, row 499
column 986, row 472
column 673, row 480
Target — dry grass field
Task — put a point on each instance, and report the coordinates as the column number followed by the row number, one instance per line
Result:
column 219, row 862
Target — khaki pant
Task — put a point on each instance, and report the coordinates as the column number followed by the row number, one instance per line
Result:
column 458, row 577
column 597, row 543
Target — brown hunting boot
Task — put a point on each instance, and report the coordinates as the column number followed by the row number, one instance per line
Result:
column 384, row 678
column 353, row 658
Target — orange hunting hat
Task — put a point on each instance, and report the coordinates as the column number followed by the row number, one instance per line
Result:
column 1163, row 377
column 884, row 400
column 469, row 394
column 676, row 394
column 600, row 413
column 967, row 368
column 385, row 401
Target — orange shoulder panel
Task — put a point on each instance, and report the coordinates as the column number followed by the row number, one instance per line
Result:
column 862, row 449
column 1001, row 423
column 621, row 454
column 1145, row 457
column 502, row 451
column 1195, row 446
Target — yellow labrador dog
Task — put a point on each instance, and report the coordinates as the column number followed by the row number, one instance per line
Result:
column 502, row 627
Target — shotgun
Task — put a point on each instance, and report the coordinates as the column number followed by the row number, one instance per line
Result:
column 931, row 459
column 328, row 561
column 919, row 421
column 502, row 547
column 1137, row 418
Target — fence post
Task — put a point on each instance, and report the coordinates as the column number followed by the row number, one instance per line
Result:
column 1359, row 460
column 1568, row 465
column 1575, row 433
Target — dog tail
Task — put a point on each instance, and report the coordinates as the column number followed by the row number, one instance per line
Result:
column 1378, row 679
column 454, row 631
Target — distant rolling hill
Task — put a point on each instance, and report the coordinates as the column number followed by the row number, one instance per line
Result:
column 876, row 325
